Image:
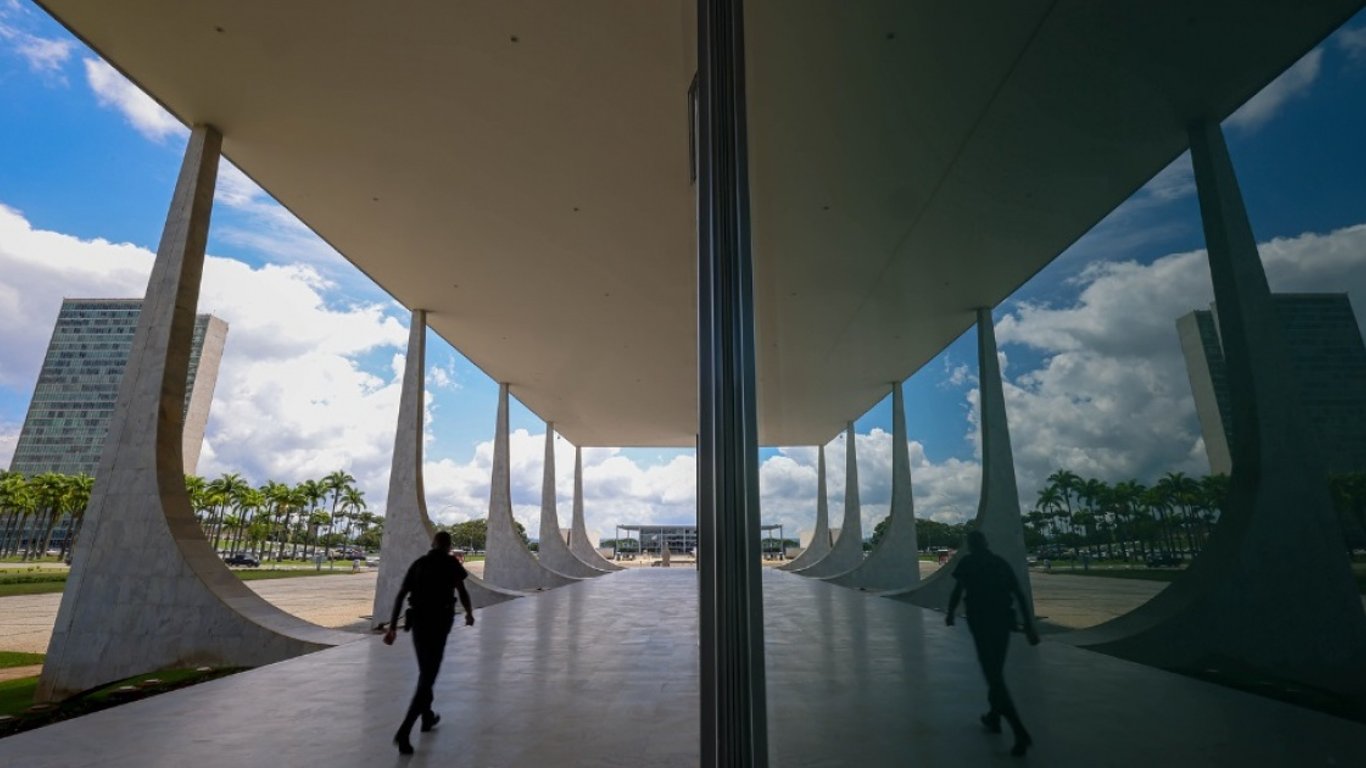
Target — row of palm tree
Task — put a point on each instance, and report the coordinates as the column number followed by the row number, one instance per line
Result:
column 39, row 503
column 313, row 515
column 329, row 513
column 1175, row 514
column 1126, row 519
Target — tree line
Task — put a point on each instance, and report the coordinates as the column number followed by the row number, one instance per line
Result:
column 39, row 503
column 1173, row 517
column 327, row 513
column 473, row 534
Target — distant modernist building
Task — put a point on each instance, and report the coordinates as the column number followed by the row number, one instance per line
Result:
column 676, row 538
column 79, row 384
column 1329, row 362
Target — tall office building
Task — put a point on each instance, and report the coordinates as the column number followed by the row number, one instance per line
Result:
column 74, row 399
column 1329, row 360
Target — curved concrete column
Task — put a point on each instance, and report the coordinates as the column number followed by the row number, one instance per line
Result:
column 146, row 589
column 819, row 546
column 847, row 551
column 408, row 530
column 578, row 529
column 998, row 509
column 553, row 550
column 507, row 562
column 1272, row 594
column 895, row 562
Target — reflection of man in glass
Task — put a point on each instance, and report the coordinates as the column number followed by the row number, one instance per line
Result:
column 431, row 585
column 990, row 585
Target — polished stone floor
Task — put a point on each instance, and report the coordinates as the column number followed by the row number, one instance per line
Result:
column 604, row 673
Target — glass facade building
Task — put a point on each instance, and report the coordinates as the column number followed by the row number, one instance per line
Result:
column 78, row 386
column 1329, row 362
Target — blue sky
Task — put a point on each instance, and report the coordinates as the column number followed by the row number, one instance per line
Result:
column 1095, row 380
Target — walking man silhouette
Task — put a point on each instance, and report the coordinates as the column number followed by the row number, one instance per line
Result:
column 990, row 585
column 431, row 585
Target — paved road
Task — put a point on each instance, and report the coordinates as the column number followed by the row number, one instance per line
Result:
column 332, row 601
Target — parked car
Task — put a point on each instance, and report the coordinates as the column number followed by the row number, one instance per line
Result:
column 242, row 559
column 1161, row 559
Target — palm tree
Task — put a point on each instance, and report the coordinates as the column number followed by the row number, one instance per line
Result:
column 1125, row 497
column 1067, row 483
column 78, row 499
column 249, row 502
column 194, row 488
column 16, row 501
column 353, row 503
column 306, row 498
column 336, row 484
column 1090, row 494
column 1049, row 505
column 277, row 496
column 49, row 494
column 1182, row 491
column 1158, row 502
column 224, row 491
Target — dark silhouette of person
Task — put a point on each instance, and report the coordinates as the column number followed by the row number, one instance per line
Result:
column 991, row 587
column 431, row 586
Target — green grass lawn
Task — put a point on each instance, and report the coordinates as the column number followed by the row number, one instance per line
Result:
column 44, row 583
column 19, row 559
column 16, row 696
column 9, row 659
column 34, row 583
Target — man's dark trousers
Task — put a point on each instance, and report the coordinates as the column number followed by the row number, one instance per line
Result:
column 992, row 638
column 429, row 640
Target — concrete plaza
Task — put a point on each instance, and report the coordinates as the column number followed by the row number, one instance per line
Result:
column 605, row 673
column 340, row 602
column 337, row 602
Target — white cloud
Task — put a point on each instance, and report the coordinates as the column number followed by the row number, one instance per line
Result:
column 270, row 229
column 9, row 438
column 1112, row 399
column 1291, row 84
column 443, row 376
column 1352, row 42
column 142, row 112
column 616, row 489
column 945, row 491
column 292, row 399
column 45, row 56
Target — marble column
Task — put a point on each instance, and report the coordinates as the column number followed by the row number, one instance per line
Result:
column 895, row 562
column 147, row 591
column 508, row 563
column 819, row 546
column 1272, row 595
column 847, row 551
column 578, row 529
column 998, row 508
column 553, row 551
column 408, row 529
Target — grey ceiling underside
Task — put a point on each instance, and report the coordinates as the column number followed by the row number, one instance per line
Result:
column 910, row 161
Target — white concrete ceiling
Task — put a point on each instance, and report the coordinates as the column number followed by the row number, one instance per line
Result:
column 520, row 168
